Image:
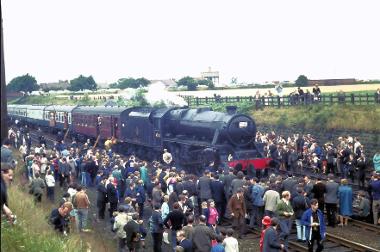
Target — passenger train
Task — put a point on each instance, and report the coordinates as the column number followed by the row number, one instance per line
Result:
column 195, row 137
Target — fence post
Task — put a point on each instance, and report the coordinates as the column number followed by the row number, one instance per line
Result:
column 226, row 98
column 331, row 99
column 206, row 99
column 197, row 101
column 278, row 101
column 352, row 98
column 250, row 99
column 367, row 97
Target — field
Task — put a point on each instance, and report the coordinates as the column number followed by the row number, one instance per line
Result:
column 251, row 92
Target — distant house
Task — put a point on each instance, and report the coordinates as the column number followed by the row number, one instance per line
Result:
column 168, row 83
column 60, row 85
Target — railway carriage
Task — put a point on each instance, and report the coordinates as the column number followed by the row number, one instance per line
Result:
column 35, row 114
column 17, row 112
column 58, row 116
column 90, row 121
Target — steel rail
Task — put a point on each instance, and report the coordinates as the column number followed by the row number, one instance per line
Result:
column 350, row 244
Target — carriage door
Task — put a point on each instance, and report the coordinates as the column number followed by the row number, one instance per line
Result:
column 65, row 121
column 114, row 126
column 52, row 121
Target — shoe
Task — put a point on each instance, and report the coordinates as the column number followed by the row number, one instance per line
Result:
column 299, row 240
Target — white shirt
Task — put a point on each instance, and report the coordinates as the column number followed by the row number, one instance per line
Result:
column 231, row 244
column 50, row 181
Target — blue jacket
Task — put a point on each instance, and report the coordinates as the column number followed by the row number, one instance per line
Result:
column 257, row 195
column 375, row 189
column 140, row 194
column 156, row 224
column 306, row 221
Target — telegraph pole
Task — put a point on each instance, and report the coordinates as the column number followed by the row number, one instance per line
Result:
column 4, row 121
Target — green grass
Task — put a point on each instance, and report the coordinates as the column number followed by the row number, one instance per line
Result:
column 350, row 117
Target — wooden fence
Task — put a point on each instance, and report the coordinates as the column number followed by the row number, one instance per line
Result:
column 291, row 100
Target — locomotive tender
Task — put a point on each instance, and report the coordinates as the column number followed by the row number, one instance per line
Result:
column 195, row 137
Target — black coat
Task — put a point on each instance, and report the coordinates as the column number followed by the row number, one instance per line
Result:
column 271, row 241
column 217, row 190
column 300, row 203
column 111, row 193
column 101, row 195
column 177, row 220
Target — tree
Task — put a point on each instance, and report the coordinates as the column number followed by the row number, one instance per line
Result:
column 302, row 81
column 207, row 82
column 25, row 83
column 82, row 83
column 130, row 83
column 188, row 82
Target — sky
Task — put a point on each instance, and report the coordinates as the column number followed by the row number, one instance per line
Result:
column 254, row 41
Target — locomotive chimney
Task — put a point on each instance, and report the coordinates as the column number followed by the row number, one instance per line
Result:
column 231, row 110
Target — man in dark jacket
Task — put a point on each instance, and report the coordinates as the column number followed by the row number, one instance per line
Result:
column 58, row 217
column 319, row 190
column 331, row 199
column 112, row 196
column 236, row 206
column 217, row 191
column 186, row 244
column 202, row 236
column 177, row 221
column 271, row 240
column 101, row 198
column 204, row 187
column 132, row 230
column 300, row 203
column 156, row 226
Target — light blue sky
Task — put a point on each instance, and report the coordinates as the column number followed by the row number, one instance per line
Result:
column 251, row 40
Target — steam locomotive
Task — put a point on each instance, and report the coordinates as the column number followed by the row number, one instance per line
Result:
column 196, row 138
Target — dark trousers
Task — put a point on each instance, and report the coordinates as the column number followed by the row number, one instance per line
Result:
column 157, row 242
column 221, row 209
column 141, row 210
column 315, row 236
column 331, row 210
column 101, row 210
column 50, row 193
column 330, row 168
column 122, row 245
column 113, row 208
column 64, row 180
column 238, row 223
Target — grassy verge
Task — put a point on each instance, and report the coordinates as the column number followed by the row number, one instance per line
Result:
column 32, row 233
column 350, row 117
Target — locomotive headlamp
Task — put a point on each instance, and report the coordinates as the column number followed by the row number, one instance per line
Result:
column 243, row 125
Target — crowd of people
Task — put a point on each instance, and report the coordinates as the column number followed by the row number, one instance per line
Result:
column 191, row 213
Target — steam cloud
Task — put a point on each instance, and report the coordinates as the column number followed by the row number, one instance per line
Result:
column 157, row 94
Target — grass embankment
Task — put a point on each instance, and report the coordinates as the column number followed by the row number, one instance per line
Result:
column 349, row 117
column 32, row 233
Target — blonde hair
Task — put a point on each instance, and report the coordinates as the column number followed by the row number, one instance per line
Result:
column 344, row 181
column 285, row 193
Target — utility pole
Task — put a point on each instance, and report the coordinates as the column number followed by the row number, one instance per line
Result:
column 4, row 121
